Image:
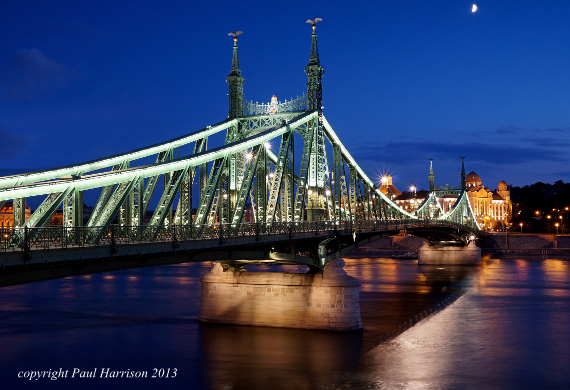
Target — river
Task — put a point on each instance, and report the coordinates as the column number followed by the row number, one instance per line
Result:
column 503, row 325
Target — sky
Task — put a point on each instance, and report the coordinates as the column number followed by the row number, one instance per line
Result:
column 405, row 80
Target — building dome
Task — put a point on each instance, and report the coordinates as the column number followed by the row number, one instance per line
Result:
column 472, row 177
column 503, row 186
column 472, row 180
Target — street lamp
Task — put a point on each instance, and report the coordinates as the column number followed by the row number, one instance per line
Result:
column 556, row 224
column 521, row 225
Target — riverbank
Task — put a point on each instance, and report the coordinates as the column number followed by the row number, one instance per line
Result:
column 495, row 245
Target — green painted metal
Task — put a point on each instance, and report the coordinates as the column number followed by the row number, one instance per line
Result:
column 95, row 165
column 245, row 188
column 235, row 82
column 43, row 214
column 261, row 187
column 210, row 191
column 278, row 176
column 19, row 211
column 164, row 205
column 462, row 213
column 127, row 189
column 303, row 185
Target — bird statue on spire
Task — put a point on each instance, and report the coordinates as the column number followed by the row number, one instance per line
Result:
column 235, row 34
column 314, row 22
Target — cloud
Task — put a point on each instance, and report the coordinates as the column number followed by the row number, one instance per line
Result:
column 566, row 130
column 32, row 74
column 414, row 151
column 509, row 130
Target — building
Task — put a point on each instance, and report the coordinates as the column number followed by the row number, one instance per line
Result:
column 7, row 214
column 493, row 209
column 388, row 188
column 411, row 200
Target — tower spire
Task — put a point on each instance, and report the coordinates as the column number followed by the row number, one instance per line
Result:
column 235, row 82
column 431, row 176
column 314, row 72
column 463, row 184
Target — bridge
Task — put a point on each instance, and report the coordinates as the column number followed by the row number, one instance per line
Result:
column 265, row 186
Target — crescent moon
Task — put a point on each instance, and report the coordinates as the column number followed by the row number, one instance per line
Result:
column 474, row 8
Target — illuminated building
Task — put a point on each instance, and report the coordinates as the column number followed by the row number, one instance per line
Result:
column 411, row 200
column 7, row 214
column 491, row 208
column 388, row 188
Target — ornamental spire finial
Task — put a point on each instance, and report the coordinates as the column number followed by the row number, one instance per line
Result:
column 235, row 59
column 431, row 176
column 314, row 72
column 463, row 184
column 314, row 58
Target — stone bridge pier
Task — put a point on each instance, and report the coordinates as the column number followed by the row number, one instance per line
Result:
column 278, row 299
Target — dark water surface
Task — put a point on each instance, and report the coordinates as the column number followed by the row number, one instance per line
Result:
column 504, row 325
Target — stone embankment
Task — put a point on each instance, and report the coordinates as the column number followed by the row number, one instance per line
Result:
column 495, row 245
column 527, row 246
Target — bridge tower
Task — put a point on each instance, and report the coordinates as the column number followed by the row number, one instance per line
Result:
column 431, row 176
column 316, row 178
column 233, row 174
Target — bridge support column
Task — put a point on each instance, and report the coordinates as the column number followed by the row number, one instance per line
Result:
column 286, row 300
column 450, row 255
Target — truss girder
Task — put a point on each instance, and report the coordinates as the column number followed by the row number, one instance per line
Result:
column 183, row 214
column 19, row 211
column 210, row 191
column 36, row 177
column 429, row 207
column 252, row 125
column 99, row 180
column 462, row 213
column 165, row 203
column 329, row 132
column 352, row 192
column 278, row 177
column 245, row 188
column 113, row 204
column 73, row 209
column 105, row 195
column 303, row 177
column 163, row 156
column 261, row 187
column 46, row 210
column 136, row 204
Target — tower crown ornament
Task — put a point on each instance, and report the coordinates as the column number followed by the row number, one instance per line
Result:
column 314, row 72
column 235, row 81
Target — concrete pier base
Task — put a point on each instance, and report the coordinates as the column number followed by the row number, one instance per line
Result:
column 276, row 299
column 450, row 255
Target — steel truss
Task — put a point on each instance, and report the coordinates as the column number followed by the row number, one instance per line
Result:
column 240, row 177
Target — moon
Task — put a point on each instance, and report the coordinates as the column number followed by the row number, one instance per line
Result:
column 474, row 8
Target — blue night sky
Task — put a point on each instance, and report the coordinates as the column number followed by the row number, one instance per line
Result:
column 405, row 80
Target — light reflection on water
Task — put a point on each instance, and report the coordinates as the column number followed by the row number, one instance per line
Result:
column 503, row 325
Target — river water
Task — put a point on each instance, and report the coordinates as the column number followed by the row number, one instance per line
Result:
column 503, row 325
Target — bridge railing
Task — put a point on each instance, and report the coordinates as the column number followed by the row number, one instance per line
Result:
column 56, row 237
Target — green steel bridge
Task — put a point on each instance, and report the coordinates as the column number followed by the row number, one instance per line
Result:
column 293, row 205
